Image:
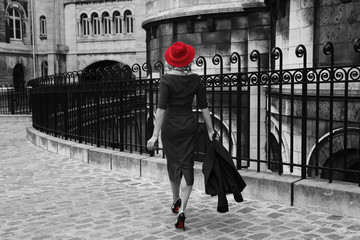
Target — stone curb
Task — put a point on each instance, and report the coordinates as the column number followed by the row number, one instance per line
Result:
column 16, row 117
column 335, row 198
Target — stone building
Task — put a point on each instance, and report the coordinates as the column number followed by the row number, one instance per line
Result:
column 227, row 26
column 40, row 38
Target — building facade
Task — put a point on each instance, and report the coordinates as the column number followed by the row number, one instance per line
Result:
column 223, row 27
column 39, row 38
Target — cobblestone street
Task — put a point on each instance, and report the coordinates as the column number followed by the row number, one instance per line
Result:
column 47, row 196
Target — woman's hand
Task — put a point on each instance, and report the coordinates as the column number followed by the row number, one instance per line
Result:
column 151, row 143
column 212, row 134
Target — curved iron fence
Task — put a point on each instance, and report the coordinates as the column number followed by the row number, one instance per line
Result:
column 15, row 101
column 303, row 121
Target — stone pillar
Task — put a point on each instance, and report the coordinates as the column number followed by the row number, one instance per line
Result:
column 301, row 31
column 71, row 34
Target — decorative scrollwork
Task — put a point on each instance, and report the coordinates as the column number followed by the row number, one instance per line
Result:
column 354, row 74
column 159, row 66
column 357, row 45
column 339, row 74
column 264, row 78
column 328, row 48
column 127, row 72
column 299, row 76
column 208, row 81
column 146, row 67
column 275, row 77
column 287, row 77
column 255, row 56
column 200, row 61
column 325, row 75
column 233, row 80
column 99, row 74
column 136, row 68
column 235, row 58
column 226, row 81
column 116, row 69
column 217, row 80
column 254, row 78
column 276, row 53
column 244, row 79
column 217, row 59
column 311, row 76
column 300, row 51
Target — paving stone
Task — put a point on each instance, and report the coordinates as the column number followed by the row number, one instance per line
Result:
column 47, row 196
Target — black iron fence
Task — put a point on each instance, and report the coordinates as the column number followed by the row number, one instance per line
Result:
column 303, row 121
column 15, row 101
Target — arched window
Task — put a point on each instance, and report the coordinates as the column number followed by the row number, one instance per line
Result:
column 106, row 23
column 44, row 68
column 129, row 22
column 43, row 31
column 84, row 25
column 117, row 22
column 15, row 24
column 95, row 21
column 18, row 77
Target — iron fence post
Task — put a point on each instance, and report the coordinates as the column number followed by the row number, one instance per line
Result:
column 235, row 58
column 300, row 51
column 329, row 50
column 276, row 55
column 255, row 57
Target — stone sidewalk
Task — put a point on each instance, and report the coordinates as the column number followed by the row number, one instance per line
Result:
column 47, row 196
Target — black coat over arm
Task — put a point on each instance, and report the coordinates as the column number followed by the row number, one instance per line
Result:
column 221, row 175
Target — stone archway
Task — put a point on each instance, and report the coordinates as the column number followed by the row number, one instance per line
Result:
column 319, row 155
column 107, row 70
column 102, row 64
column 339, row 161
column 18, row 77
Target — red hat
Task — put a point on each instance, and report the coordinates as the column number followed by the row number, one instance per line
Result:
column 179, row 54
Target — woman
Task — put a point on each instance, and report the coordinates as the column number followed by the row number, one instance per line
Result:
column 175, row 119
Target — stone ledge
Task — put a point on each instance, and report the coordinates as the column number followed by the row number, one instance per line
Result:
column 336, row 198
column 21, row 117
column 341, row 198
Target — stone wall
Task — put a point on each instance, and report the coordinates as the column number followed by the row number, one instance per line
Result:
column 2, row 23
column 338, row 22
column 230, row 28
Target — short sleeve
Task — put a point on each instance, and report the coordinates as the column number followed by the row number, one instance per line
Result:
column 201, row 96
column 163, row 93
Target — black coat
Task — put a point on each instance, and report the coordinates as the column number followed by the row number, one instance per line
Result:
column 221, row 175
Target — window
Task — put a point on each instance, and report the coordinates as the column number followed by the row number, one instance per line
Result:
column 84, row 25
column 43, row 31
column 95, row 21
column 106, row 23
column 117, row 22
column 129, row 24
column 15, row 30
column 44, row 68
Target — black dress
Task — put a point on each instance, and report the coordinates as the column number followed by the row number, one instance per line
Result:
column 179, row 128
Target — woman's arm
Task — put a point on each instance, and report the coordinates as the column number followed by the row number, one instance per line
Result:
column 158, row 123
column 208, row 122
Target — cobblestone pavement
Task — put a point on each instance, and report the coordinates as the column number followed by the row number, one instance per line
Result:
column 47, row 196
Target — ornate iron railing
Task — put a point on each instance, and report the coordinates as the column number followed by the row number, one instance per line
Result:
column 301, row 121
column 15, row 101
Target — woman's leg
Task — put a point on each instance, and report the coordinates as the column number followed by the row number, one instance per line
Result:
column 185, row 194
column 175, row 187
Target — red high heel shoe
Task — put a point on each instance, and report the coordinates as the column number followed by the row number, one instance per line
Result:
column 176, row 206
column 180, row 223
